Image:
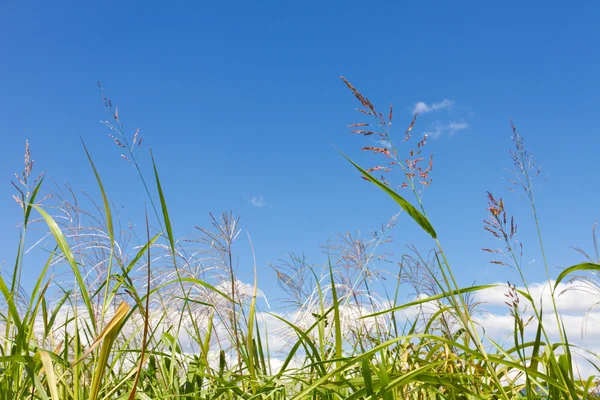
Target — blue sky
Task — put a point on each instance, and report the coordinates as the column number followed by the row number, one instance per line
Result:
column 242, row 100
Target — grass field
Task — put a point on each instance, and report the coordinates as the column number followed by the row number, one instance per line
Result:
column 156, row 321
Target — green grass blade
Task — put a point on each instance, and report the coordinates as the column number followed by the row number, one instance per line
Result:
column 304, row 339
column 66, row 250
column 250, row 343
column 336, row 317
column 406, row 206
column 32, row 201
column 50, row 376
column 107, row 336
column 578, row 267
column 163, row 205
column 12, row 309
column 366, row 373
column 109, row 222
column 536, row 347
column 40, row 279
column 432, row 298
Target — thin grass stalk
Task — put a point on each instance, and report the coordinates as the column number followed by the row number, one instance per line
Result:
column 146, row 317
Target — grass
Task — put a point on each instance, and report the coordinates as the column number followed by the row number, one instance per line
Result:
column 157, row 321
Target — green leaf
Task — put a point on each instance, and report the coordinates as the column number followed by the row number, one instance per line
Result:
column 366, row 373
column 32, row 201
column 8, row 297
column 50, row 376
column 578, row 267
column 431, row 298
column 406, row 206
column 66, row 250
column 109, row 222
column 336, row 317
column 163, row 205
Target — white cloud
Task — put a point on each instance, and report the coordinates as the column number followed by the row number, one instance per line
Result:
column 258, row 201
column 576, row 304
column 572, row 302
column 451, row 128
column 435, row 133
column 422, row 108
column 457, row 126
column 571, row 298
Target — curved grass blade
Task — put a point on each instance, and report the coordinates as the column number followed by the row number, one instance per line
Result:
column 66, row 250
column 432, row 298
column 574, row 268
column 109, row 222
column 163, row 205
column 109, row 335
column 353, row 361
column 536, row 348
column 32, row 201
column 201, row 283
column 39, row 281
column 406, row 206
column 304, row 338
column 12, row 309
column 294, row 349
column 109, row 329
column 50, row 377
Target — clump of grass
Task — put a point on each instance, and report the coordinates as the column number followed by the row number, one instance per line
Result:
column 169, row 318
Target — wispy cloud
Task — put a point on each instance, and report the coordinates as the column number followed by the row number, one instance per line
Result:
column 384, row 143
column 422, row 108
column 457, row 126
column 451, row 128
column 258, row 201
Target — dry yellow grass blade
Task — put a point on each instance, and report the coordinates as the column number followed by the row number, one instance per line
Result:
column 116, row 320
column 49, row 370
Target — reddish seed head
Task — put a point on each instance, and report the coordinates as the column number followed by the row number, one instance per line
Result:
column 380, row 150
column 358, row 124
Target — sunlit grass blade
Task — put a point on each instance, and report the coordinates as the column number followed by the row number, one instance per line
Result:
column 336, row 317
column 50, row 377
column 431, row 298
column 535, row 353
column 112, row 326
column 39, row 282
column 579, row 267
column 163, row 204
column 107, row 337
column 107, row 212
column 66, row 250
column 251, row 317
column 12, row 309
column 306, row 341
column 406, row 206
column 34, row 194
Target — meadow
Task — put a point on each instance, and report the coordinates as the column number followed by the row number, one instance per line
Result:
column 122, row 315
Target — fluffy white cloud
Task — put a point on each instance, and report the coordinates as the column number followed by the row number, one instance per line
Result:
column 581, row 321
column 571, row 298
column 578, row 314
column 422, row 108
